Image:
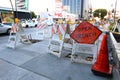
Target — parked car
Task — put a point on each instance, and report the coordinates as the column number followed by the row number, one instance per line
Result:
column 5, row 28
column 35, row 22
column 28, row 23
column 8, row 23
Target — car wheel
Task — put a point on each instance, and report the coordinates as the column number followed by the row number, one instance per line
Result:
column 27, row 26
column 36, row 25
column 8, row 31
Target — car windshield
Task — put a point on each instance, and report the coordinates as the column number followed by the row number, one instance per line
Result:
column 30, row 21
column 10, row 24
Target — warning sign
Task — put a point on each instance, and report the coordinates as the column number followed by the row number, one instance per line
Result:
column 86, row 33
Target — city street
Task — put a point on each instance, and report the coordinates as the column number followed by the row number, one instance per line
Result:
column 32, row 62
column 70, row 40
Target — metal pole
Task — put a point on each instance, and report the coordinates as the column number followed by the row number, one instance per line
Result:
column 11, row 5
column 115, row 10
column 82, row 5
column 12, row 10
column 16, row 9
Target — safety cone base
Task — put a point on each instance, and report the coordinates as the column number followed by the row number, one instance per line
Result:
column 102, row 73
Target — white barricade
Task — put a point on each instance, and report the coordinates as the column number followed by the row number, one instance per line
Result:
column 43, row 31
column 12, row 41
column 56, row 44
column 48, row 32
column 68, row 42
column 16, row 36
column 54, row 29
column 14, row 29
column 39, row 34
column 85, row 47
column 24, row 39
column 84, row 53
column 13, row 37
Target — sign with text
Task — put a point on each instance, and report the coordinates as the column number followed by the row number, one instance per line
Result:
column 58, row 9
column 86, row 33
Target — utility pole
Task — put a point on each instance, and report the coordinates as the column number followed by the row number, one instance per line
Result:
column 12, row 9
column 16, row 9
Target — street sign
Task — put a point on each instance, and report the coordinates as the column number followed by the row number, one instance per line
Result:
column 86, row 33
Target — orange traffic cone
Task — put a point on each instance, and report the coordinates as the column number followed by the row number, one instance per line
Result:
column 102, row 66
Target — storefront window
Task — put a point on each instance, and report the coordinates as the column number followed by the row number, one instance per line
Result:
column 7, row 16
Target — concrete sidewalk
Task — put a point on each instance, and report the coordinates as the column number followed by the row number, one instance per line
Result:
column 32, row 62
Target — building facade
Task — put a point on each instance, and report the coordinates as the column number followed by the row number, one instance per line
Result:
column 22, row 4
column 77, row 7
column 18, row 10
